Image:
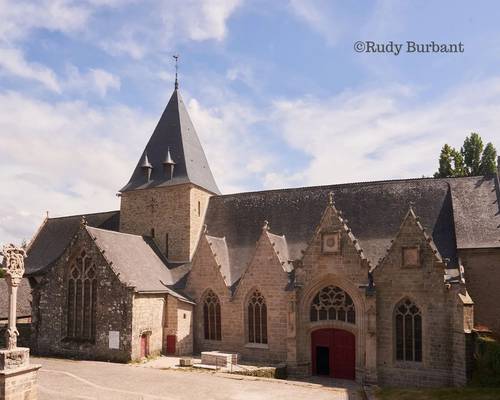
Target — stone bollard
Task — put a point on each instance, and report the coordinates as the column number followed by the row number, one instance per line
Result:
column 18, row 378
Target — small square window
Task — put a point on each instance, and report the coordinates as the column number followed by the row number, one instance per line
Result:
column 411, row 256
column 331, row 242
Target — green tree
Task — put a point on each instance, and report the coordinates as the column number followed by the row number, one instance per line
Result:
column 458, row 164
column 473, row 159
column 471, row 151
column 488, row 163
column 445, row 162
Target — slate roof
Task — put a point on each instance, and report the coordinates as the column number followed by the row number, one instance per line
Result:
column 23, row 299
column 477, row 211
column 137, row 261
column 374, row 212
column 174, row 135
column 220, row 252
column 281, row 249
column 55, row 234
column 458, row 213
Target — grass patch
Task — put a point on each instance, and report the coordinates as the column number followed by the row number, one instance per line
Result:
column 468, row 393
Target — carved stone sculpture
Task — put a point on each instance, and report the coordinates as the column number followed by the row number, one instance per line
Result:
column 13, row 266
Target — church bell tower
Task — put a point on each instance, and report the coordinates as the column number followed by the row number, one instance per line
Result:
column 168, row 192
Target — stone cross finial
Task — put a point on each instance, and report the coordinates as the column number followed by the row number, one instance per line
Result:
column 13, row 266
column 265, row 226
column 331, row 201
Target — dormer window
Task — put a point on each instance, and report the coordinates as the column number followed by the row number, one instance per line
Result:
column 411, row 256
column 146, row 167
column 168, row 165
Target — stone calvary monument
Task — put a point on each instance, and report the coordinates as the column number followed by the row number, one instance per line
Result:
column 18, row 378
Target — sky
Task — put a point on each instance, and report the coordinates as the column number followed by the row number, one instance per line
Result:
column 276, row 91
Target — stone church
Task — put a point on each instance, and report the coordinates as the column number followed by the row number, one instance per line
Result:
column 372, row 281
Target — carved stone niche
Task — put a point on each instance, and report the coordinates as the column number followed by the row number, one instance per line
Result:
column 330, row 242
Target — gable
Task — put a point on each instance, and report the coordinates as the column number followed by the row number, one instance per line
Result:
column 55, row 235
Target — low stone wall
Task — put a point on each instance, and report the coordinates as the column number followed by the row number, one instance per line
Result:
column 219, row 359
column 279, row 372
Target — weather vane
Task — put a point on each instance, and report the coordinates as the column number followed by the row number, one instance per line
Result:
column 176, row 57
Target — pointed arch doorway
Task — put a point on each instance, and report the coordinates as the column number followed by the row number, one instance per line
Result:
column 333, row 353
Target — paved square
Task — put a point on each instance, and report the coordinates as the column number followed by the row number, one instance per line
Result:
column 67, row 379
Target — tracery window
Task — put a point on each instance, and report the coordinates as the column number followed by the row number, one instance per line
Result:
column 257, row 318
column 211, row 316
column 82, row 295
column 408, row 331
column 333, row 303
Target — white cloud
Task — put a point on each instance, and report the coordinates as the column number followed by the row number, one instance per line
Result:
column 95, row 80
column 381, row 134
column 19, row 17
column 65, row 157
column 200, row 19
column 316, row 14
column 169, row 22
column 235, row 156
column 13, row 62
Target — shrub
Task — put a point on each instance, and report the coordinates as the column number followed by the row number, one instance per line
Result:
column 487, row 363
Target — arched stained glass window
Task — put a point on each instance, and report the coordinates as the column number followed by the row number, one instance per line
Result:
column 211, row 316
column 332, row 303
column 257, row 318
column 408, row 323
column 82, row 298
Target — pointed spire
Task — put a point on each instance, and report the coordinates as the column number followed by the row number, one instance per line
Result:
column 176, row 57
column 168, row 158
column 168, row 165
column 174, row 134
column 146, row 166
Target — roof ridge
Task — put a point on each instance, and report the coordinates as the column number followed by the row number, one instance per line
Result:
column 340, row 185
column 83, row 214
column 116, row 232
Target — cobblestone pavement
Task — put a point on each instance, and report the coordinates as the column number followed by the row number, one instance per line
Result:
column 66, row 379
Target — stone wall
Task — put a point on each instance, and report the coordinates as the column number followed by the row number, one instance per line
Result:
column 482, row 277
column 184, row 345
column 148, row 318
column 113, row 310
column 264, row 273
column 424, row 286
column 171, row 210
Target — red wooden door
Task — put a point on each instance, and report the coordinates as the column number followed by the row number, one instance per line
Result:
column 171, row 339
column 333, row 353
column 343, row 354
column 144, row 346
